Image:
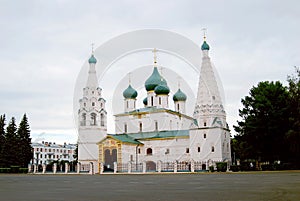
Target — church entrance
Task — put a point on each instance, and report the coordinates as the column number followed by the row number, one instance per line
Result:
column 110, row 156
column 150, row 166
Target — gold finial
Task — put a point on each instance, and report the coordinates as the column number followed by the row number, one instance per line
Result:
column 155, row 57
column 204, row 33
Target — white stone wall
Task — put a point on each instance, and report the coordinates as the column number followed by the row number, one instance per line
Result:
column 165, row 121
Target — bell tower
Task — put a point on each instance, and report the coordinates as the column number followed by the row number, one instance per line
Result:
column 92, row 119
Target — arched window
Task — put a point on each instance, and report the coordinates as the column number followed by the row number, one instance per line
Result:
column 141, row 126
column 204, row 135
column 187, row 150
column 177, row 106
column 102, row 119
column 127, row 104
column 151, row 100
column 149, row 151
column 199, row 149
column 159, row 100
column 93, row 119
column 93, row 103
column 83, row 119
column 212, row 149
column 204, row 123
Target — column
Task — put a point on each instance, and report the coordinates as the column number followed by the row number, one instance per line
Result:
column 175, row 166
column 91, row 168
column 66, row 168
column 158, row 166
column 192, row 166
column 54, row 168
column 44, row 168
column 129, row 167
column 29, row 168
column 115, row 167
column 78, row 168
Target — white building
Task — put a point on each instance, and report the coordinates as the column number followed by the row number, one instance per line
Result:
column 157, row 134
column 47, row 152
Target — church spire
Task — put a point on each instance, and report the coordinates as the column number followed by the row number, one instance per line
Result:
column 208, row 104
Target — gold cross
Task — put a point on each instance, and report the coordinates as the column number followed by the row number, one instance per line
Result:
column 154, row 54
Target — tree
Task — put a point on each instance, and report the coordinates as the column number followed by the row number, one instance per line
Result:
column 2, row 140
column 24, row 141
column 11, row 144
column 293, row 134
column 261, row 132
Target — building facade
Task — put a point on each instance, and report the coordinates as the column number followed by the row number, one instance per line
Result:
column 157, row 134
column 48, row 152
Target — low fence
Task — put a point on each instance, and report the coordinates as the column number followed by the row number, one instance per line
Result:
column 144, row 167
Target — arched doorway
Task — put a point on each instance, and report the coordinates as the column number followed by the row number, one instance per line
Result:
column 150, row 166
column 203, row 166
column 110, row 156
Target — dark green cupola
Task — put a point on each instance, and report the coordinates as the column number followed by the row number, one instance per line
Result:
column 92, row 59
column 179, row 96
column 130, row 93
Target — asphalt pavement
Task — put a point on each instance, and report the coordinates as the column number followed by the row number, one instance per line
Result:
column 273, row 186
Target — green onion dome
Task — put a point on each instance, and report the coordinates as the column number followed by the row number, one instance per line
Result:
column 145, row 101
column 130, row 93
column 179, row 96
column 154, row 80
column 162, row 90
column 205, row 46
column 92, row 60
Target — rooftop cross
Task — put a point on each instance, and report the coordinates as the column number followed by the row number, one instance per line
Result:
column 92, row 47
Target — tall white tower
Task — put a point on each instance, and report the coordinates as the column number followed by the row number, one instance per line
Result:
column 92, row 126
column 209, row 135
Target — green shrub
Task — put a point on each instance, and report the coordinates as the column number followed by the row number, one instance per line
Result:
column 23, row 170
column 221, row 166
column 235, row 168
column 14, row 169
column 4, row 170
column 211, row 168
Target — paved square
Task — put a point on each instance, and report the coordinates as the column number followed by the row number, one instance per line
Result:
column 201, row 186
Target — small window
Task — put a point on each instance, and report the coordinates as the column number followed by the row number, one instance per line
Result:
column 149, row 151
column 187, row 150
column 212, row 149
column 41, row 156
column 141, row 126
column 139, row 150
column 125, row 128
column 204, row 124
column 204, row 135
column 131, row 157
column 167, row 151
column 37, row 149
column 159, row 100
column 156, row 125
column 93, row 104
column 199, row 149
column 177, row 107
column 127, row 105
column 151, row 100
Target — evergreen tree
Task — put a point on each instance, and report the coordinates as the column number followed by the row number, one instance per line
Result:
column 2, row 140
column 261, row 133
column 24, row 141
column 11, row 144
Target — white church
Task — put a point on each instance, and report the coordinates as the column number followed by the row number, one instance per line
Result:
column 154, row 137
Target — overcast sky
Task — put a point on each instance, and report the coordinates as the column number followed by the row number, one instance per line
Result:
column 44, row 44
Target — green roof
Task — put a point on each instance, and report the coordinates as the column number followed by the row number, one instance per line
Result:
column 162, row 90
column 154, row 80
column 92, row 60
column 130, row 92
column 179, row 96
column 205, row 46
column 159, row 134
column 125, row 138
